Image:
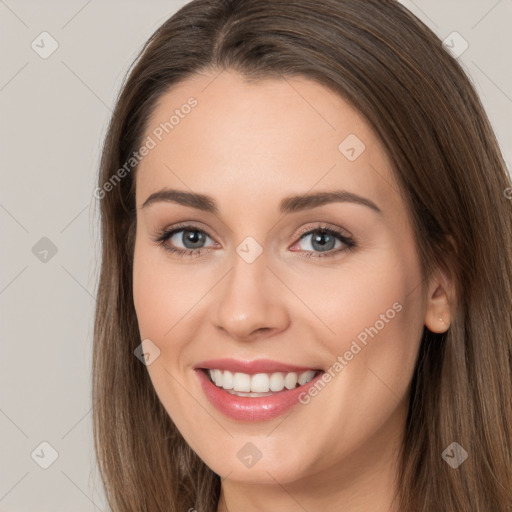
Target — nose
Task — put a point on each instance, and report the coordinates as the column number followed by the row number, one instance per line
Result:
column 251, row 301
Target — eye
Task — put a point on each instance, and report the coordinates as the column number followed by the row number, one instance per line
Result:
column 323, row 240
column 191, row 238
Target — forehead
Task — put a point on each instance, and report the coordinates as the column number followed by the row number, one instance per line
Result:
column 218, row 132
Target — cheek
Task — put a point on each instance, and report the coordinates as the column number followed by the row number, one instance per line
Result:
column 163, row 304
column 373, row 291
column 150, row 296
column 162, row 296
column 384, row 308
column 377, row 316
column 166, row 300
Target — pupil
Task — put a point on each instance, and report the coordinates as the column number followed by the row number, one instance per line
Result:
column 326, row 245
column 193, row 237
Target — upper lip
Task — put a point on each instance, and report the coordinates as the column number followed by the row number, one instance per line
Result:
column 251, row 367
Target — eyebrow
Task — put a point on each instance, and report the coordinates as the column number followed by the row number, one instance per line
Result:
column 287, row 205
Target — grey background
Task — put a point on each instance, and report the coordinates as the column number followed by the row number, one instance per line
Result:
column 54, row 114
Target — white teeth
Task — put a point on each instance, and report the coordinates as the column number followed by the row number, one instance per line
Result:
column 260, row 382
column 305, row 377
column 290, row 381
column 241, row 382
column 217, row 377
column 227, row 380
column 277, row 382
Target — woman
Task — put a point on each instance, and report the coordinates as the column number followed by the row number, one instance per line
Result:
column 305, row 292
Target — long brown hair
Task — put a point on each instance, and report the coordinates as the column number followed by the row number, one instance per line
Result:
column 451, row 174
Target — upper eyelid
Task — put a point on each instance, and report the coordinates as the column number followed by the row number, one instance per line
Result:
column 327, row 226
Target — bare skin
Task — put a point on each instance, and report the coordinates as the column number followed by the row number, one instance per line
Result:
column 248, row 146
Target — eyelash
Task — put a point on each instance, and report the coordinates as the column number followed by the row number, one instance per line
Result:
column 163, row 236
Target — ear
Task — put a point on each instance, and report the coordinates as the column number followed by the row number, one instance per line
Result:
column 439, row 301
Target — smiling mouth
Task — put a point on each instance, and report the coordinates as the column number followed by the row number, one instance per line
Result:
column 259, row 384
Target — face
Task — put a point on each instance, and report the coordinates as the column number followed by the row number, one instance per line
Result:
column 270, row 292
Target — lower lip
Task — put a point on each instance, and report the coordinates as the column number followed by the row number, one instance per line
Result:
column 252, row 409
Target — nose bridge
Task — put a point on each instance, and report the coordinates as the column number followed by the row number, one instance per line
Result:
column 247, row 279
column 247, row 302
